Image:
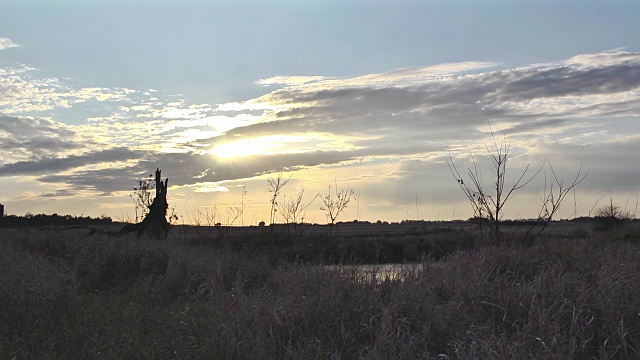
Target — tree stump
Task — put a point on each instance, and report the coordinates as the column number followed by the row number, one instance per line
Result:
column 155, row 223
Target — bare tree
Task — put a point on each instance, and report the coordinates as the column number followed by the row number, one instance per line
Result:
column 333, row 204
column 555, row 191
column 274, row 186
column 209, row 221
column 293, row 210
column 142, row 197
column 488, row 205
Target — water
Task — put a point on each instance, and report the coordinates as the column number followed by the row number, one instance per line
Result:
column 378, row 273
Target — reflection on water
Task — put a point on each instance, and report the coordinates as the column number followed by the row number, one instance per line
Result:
column 378, row 273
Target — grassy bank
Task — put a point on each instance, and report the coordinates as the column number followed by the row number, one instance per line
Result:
column 364, row 247
column 96, row 297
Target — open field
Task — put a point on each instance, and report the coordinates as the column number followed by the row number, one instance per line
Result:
column 352, row 243
column 67, row 295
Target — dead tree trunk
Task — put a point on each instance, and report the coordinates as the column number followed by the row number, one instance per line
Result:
column 155, row 224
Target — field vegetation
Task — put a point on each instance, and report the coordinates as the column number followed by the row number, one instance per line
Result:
column 68, row 295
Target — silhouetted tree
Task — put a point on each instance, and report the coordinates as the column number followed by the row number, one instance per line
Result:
column 274, row 185
column 333, row 205
column 142, row 196
column 488, row 203
column 293, row 211
column 611, row 216
column 155, row 222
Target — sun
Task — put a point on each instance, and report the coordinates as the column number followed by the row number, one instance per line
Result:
column 265, row 145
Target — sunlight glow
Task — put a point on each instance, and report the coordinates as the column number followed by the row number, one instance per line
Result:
column 274, row 144
column 210, row 187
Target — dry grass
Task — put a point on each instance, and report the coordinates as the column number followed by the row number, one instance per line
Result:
column 73, row 297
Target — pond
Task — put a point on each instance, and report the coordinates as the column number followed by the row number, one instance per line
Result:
column 379, row 273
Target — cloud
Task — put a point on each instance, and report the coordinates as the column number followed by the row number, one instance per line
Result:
column 455, row 100
column 408, row 117
column 57, row 165
column 181, row 169
column 22, row 92
column 610, row 162
column 289, row 80
column 6, row 43
column 571, row 80
column 23, row 138
column 27, row 127
column 402, row 77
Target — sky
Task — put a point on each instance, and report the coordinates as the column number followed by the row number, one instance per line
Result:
column 372, row 96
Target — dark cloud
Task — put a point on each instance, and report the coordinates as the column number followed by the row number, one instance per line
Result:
column 26, row 127
column 185, row 169
column 48, row 165
column 567, row 80
column 22, row 138
column 36, row 147
column 102, row 180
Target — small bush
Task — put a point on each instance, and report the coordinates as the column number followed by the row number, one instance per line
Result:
column 610, row 217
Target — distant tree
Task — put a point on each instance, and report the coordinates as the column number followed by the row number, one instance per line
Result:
column 611, row 216
column 213, row 218
column 554, row 194
column 333, row 204
column 293, row 211
column 274, row 186
column 489, row 204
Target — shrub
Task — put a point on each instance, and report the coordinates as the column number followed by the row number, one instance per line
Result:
column 610, row 217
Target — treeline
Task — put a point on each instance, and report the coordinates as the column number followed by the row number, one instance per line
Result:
column 51, row 220
column 473, row 220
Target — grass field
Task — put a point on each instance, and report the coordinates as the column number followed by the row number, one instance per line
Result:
column 67, row 295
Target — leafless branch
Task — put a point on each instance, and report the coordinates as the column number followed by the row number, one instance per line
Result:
column 274, row 186
column 333, row 204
